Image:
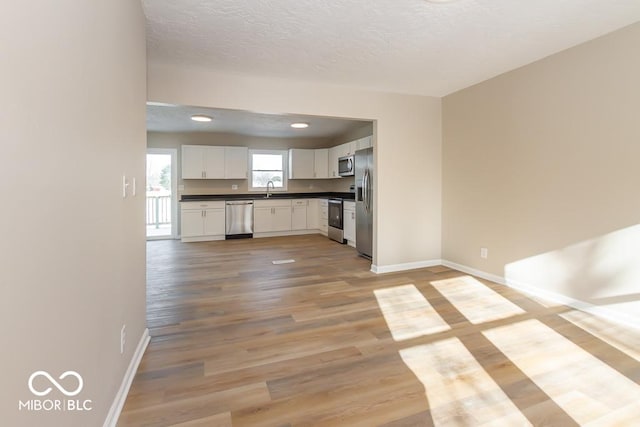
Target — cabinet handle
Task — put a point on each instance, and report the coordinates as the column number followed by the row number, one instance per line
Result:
column 353, row 215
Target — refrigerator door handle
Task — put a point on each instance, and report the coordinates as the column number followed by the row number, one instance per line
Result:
column 364, row 190
column 368, row 203
column 370, row 196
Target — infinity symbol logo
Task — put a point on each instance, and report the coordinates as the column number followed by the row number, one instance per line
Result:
column 55, row 383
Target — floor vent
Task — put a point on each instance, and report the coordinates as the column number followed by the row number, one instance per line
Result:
column 283, row 261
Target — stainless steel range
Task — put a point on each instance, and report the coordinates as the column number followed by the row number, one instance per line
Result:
column 335, row 221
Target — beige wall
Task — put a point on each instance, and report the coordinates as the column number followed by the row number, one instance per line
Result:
column 72, row 121
column 407, row 153
column 223, row 186
column 541, row 167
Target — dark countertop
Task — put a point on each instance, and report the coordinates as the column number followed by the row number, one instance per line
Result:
column 261, row 196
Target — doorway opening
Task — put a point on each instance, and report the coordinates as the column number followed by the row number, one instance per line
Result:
column 161, row 191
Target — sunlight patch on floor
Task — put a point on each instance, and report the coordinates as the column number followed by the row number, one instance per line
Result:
column 557, row 365
column 475, row 301
column 605, row 330
column 459, row 390
column 544, row 302
column 408, row 313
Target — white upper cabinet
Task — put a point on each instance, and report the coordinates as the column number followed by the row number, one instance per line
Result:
column 363, row 143
column 192, row 162
column 235, row 162
column 341, row 150
column 346, row 149
column 334, row 155
column 321, row 163
column 202, row 162
column 210, row 162
column 349, row 149
column 213, row 160
column 301, row 164
column 308, row 164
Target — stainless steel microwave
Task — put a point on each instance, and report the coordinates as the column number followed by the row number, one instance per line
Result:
column 346, row 166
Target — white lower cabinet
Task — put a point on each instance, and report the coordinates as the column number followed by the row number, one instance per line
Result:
column 262, row 219
column 299, row 214
column 271, row 216
column 214, row 222
column 323, row 220
column 275, row 217
column 349, row 222
column 201, row 221
column 313, row 214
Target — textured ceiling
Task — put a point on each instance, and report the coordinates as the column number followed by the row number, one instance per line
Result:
column 172, row 118
column 406, row 46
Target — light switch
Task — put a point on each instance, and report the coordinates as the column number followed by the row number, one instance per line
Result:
column 125, row 184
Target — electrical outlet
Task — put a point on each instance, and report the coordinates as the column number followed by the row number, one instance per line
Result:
column 123, row 338
column 484, row 253
column 234, row 186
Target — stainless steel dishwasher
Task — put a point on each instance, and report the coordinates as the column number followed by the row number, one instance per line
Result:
column 239, row 219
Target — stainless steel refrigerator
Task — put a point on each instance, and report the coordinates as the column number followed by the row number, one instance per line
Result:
column 364, row 201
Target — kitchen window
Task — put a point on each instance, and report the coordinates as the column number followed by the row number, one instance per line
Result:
column 268, row 165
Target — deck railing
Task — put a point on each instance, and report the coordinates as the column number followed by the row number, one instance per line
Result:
column 158, row 210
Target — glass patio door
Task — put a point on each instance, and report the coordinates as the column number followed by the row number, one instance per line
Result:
column 161, row 193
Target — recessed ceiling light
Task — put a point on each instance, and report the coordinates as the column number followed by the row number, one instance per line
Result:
column 299, row 125
column 201, row 118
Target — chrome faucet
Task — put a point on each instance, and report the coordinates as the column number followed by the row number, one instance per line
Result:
column 273, row 186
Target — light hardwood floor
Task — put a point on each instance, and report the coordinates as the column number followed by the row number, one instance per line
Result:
column 237, row 340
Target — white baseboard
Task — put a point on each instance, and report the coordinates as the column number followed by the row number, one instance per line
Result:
column 201, row 239
column 378, row 269
column 121, row 396
column 554, row 297
column 285, row 233
column 474, row 272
